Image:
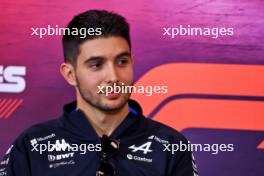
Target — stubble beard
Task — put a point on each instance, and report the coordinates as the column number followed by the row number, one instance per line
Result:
column 88, row 98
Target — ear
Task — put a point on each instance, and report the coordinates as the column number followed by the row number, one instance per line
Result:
column 67, row 71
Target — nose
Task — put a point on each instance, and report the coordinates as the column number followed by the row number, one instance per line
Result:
column 111, row 74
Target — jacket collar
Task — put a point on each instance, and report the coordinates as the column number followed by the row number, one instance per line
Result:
column 78, row 124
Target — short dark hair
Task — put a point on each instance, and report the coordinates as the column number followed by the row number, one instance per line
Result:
column 111, row 24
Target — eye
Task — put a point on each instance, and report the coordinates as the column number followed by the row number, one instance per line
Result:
column 96, row 65
column 123, row 61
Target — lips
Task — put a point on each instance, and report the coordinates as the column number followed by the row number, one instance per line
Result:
column 113, row 95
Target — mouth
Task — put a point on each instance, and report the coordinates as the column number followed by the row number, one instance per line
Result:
column 112, row 95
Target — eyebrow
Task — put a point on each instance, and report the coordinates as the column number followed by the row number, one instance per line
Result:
column 100, row 58
column 125, row 53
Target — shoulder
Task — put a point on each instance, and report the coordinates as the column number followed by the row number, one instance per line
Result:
column 39, row 131
column 165, row 131
column 31, row 136
column 151, row 127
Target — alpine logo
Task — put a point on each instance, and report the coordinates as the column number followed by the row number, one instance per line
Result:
column 145, row 148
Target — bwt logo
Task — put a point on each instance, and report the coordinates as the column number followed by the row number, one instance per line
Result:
column 11, row 79
column 60, row 157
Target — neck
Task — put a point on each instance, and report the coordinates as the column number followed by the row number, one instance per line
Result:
column 103, row 122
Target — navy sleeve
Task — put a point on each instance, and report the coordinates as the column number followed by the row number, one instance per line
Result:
column 182, row 163
column 15, row 161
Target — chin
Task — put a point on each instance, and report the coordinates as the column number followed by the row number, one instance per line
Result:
column 114, row 104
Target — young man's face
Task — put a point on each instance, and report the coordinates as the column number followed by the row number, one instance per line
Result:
column 103, row 62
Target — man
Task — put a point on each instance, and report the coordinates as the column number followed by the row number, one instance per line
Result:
column 101, row 133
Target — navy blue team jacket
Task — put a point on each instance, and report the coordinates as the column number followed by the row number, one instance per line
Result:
column 69, row 146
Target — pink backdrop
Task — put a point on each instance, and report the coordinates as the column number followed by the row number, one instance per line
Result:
column 216, row 86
